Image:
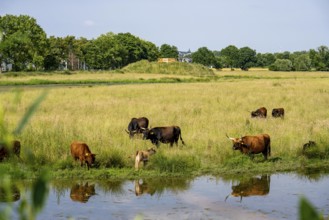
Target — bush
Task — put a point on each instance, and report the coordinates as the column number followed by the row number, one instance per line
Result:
column 281, row 65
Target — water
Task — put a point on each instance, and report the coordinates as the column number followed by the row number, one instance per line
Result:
column 245, row 197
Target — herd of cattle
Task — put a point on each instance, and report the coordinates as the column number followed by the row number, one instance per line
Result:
column 249, row 145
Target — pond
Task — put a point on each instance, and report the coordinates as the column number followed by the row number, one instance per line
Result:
column 273, row 196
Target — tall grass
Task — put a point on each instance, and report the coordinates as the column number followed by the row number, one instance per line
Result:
column 205, row 112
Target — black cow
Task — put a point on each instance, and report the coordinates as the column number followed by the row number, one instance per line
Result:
column 278, row 113
column 169, row 134
column 259, row 113
column 137, row 125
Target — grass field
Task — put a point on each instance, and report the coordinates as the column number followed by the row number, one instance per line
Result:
column 206, row 112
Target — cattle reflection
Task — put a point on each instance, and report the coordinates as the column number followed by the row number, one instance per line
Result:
column 82, row 193
column 158, row 186
column 255, row 186
column 12, row 194
column 141, row 187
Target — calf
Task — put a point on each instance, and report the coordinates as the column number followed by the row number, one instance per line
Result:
column 81, row 151
column 143, row 156
column 6, row 151
column 259, row 113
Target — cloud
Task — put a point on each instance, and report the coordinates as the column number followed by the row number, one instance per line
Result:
column 89, row 23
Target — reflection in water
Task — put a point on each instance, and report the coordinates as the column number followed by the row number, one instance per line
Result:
column 82, row 193
column 158, row 186
column 11, row 194
column 255, row 186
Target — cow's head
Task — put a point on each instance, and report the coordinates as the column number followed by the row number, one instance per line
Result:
column 237, row 143
column 151, row 150
column 90, row 158
column 147, row 134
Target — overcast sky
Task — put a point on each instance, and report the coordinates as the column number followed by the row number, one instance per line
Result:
column 263, row 25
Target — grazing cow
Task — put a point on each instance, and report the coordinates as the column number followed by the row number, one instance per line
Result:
column 255, row 186
column 169, row 134
column 278, row 113
column 259, row 113
column 81, row 151
column 82, row 193
column 143, row 156
column 253, row 144
column 137, row 125
column 6, row 151
column 309, row 145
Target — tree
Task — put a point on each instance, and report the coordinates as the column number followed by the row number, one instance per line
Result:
column 320, row 58
column 247, row 58
column 230, row 56
column 281, row 65
column 167, row 51
column 23, row 42
column 205, row 57
column 302, row 63
column 264, row 60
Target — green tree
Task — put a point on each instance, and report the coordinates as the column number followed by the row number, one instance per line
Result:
column 281, row 65
column 23, row 42
column 230, row 56
column 302, row 62
column 205, row 57
column 320, row 58
column 167, row 51
column 264, row 60
column 247, row 58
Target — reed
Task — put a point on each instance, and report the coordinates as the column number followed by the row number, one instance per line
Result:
column 206, row 112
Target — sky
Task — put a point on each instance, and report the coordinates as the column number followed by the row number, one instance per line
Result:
column 267, row 26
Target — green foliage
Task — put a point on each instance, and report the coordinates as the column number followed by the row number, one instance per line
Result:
column 168, row 68
column 281, row 65
column 307, row 211
column 247, row 58
column 167, row 51
column 230, row 56
column 302, row 63
column 205, row 57
column 174, row 164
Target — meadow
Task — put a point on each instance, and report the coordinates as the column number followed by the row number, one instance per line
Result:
column 205, row 111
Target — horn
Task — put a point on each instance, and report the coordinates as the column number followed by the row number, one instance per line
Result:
column 127, row 131
column 229, row 137
column 143, row 129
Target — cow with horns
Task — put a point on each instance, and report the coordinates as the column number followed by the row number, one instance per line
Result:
column 253, row 144
column 137, row 125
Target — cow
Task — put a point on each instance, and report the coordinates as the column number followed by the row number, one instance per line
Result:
column 6, row 151
column 143, row 156
column 255, row 186
column 82, row 193
column 80, row 151
column 169, row 134
column 253, row 144
column 137, row 125
column 308, row 145
column 259, row 113
column 278, row 113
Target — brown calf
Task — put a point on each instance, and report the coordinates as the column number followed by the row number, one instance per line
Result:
column 143, row 156
column 81, row 151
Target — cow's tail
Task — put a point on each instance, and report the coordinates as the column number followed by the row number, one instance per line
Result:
column 269, row 147
column 180, row 136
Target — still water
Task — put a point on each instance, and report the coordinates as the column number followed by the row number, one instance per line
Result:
column 273, row 196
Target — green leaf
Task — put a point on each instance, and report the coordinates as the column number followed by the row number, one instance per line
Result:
column 307, row 211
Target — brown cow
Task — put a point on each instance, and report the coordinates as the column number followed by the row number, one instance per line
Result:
column 253, row 144
column 255, row 186
column 143, row 156
column 137, row 125
column 82, row 193
column 278, row 113
column 81, row 151
column 6, row 151
column 259, row 113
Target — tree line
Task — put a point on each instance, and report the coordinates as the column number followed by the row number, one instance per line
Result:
column 25, row 46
